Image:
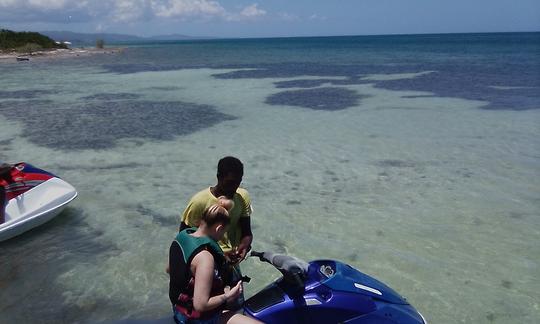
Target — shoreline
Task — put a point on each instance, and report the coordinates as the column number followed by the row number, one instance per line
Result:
column 10, row 57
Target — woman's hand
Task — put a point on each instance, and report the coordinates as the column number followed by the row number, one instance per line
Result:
column 231, row 294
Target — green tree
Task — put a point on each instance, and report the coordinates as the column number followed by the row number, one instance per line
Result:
column 14, row 40
column 29, row 48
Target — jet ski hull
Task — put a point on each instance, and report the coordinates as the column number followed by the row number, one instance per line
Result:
column 35, row 205
column 327, row 291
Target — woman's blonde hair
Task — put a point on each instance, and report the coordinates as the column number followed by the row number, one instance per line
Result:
column 216, row 214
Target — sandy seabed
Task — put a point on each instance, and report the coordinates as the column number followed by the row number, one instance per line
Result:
column 433, row 195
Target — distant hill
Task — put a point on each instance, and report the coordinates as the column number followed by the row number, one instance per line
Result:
column 90, row 39
column 170, row 37
column 26, row 41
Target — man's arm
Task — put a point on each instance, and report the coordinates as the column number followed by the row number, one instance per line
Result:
column 247, row 236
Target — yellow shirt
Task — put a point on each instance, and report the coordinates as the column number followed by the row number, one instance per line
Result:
column 204, row 198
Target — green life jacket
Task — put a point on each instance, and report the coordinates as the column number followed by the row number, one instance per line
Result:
column 181, row 292
column 192, row 245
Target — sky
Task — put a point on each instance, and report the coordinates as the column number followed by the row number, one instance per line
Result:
column 271, row 18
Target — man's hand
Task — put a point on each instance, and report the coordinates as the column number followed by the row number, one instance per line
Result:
column 244, row 247
column 233, row 257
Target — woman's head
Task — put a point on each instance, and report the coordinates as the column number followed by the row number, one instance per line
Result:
column 216, row 214
column 216, row 218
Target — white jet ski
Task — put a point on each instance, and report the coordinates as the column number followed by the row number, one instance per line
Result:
column 33, row 196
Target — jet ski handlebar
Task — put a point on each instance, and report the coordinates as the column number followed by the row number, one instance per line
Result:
column 282, row 262
column 293, row 269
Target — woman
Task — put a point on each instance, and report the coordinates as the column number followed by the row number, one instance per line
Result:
column 197, row 268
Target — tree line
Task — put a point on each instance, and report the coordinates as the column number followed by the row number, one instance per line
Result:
column 24, row 41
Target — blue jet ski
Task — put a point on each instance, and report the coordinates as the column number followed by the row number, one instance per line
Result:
column 326, row 291
column 320, row 292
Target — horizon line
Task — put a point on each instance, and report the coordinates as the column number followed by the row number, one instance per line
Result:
column 300, row 36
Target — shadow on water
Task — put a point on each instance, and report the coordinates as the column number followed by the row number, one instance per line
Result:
column 100, row 124
column 163, row 220
column 25, row 94
column 33, row 262
column 328, row 98
column 498, row 68
column 162, row 320
column 518, row 90
column 112, row 96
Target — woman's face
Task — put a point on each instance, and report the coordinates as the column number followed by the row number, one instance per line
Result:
column 220, row 231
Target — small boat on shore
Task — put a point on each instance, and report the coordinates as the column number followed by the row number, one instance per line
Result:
column 23, row 58
column 34, row 196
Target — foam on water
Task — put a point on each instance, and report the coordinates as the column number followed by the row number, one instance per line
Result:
column 433, row 196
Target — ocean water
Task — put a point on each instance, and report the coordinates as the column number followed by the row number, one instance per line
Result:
column 415, row 159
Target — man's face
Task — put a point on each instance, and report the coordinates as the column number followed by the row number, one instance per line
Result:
column 229, row 183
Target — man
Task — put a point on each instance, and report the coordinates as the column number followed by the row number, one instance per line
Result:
column 237, row 241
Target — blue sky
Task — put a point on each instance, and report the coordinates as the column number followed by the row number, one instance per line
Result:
column 246, row 18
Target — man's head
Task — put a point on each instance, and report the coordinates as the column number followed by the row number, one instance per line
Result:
column 217, row 220
column 229, row 175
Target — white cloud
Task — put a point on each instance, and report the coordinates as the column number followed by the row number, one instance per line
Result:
column 7, row 3
column 129, row 10
column 288, row 17
column 252, row 11
column 317, row 17
column 187, row 8
column 249, row 13
column 100, row 28
column 37, row 4
column 108, row 12
column 46, row 4
column 50, row 11
column 285, row 16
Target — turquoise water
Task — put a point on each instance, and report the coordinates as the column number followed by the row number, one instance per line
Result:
column 413, row 158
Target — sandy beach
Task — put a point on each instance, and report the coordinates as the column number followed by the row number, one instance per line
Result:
column 9, row 57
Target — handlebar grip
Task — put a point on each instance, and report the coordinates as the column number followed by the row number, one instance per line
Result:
column 256, row 254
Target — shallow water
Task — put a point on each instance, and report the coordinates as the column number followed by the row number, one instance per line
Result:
column 414, row 159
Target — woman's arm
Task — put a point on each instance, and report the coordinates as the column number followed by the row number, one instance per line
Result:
column 202, row 267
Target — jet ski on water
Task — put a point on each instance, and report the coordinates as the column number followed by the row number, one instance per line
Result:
column 33, row 196
column 326, row 291
column 318, row 292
